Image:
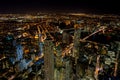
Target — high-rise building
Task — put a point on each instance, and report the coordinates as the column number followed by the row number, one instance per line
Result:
column 67, row 70
column 49, row 60
column 76, row 46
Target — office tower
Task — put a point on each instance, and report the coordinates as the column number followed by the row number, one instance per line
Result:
column 76, row 46
column 49, row 60
column 67, row 70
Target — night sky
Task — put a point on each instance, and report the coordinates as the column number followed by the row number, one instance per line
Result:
column 90, row 6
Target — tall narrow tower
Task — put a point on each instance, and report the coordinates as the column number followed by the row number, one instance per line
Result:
column 76, row 42
column 49, row 60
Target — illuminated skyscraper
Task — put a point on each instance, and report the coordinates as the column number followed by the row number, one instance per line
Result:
column 67, row 70
column 49, row 60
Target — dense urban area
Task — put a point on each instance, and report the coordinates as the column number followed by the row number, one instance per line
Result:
column 62, row 46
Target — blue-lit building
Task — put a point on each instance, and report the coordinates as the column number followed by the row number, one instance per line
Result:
column 19, row 52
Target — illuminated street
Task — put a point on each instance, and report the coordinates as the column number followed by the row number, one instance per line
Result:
column 46, row 46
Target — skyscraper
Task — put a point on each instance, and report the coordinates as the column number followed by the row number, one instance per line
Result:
column 49, row 60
